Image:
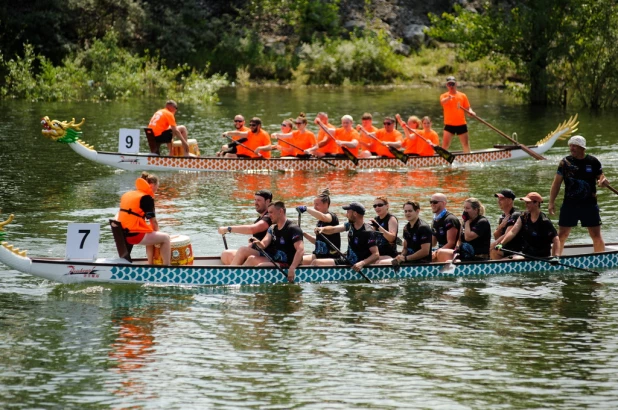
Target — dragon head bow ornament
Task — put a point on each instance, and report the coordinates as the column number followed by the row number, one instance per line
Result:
column 62, row 131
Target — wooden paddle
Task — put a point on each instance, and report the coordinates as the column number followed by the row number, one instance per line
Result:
column 237, row 142
column 263, row 252
column 346, row 151
column 522, row 146
column 550, row 261
column 303, row 151
column 447, row 155
column 398, row 154
column 614, row 190
column 333, row 247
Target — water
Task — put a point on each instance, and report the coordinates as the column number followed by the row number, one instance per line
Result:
column 524, row 341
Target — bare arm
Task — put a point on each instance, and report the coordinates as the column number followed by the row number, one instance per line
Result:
column 327, row 230
column 553, row 193
column 252, row 229
column 511, row 233
column 451, row 238
column 375, row 255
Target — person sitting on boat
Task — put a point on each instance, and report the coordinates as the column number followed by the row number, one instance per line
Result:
column 454, row 116
column 389, row 136
column 509, row 217
column 325, row 144
column 538, row 234
column 424, row 149
column 257, row 229
column 581, row 173
column 410, row 142
column 301, row 138
column 367, row 146
column 362, row 245
column 445, row 225
column 475, row 235
column 325, row 217
column 138, row 218
column 257, row 144
column 283, row 242
column 387, row 227
column 164, row 128
column 417, row 236
column 345, row 136
column 239, row 125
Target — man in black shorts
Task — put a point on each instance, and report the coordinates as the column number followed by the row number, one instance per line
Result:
column 581, row 173
column 362, row 245
column 283, row 242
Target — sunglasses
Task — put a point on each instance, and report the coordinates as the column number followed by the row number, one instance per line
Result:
column 285, row 125
column 378, row 205
column 253, row 124
column 450, row 84
column 387, row 123
column 239, row 120
column 434, row 202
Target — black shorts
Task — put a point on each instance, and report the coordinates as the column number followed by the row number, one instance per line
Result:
column 587, row 214
column 165, row 137
column 456, row 129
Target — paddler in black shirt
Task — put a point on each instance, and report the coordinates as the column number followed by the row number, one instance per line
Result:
column 417, row 236
column 445, row 225
column 507, row 220
column 325, row 217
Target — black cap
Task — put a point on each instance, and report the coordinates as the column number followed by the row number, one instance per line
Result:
column 356, row 207
column 265, row 193
column 505, row 193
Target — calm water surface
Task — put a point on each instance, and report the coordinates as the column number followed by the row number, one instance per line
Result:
column 524, row 341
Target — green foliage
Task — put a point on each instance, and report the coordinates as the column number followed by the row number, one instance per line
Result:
column 315, row 19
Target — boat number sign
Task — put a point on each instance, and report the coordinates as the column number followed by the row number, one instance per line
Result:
column 82, row 241
column 128, row 141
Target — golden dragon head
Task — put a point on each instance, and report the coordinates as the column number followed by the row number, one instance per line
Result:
column 55, row 129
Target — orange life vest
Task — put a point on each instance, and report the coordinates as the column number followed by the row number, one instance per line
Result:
column 131, row 216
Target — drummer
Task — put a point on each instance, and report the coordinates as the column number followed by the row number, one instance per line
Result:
column 137, row 208
column 257, row 229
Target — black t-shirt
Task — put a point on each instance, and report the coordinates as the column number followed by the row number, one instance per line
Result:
column 147, row 204
column 537, row 236
column 481, row 227
column 385, row 247
column 515, row 243
column 359, row 242
column 580, row 179
column 283, row 240
column 322, row 250
column 265, row 218
column 415, row 236
column 442, row 225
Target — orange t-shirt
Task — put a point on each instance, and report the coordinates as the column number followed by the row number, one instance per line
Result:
column 255, row 140
column 342, row 135
column 452, row 114
column 424, row 149
column 368, row 143
column 410, row 145
column 161, row 121
column 382, row 135
column 303, row 141
column 330, row 147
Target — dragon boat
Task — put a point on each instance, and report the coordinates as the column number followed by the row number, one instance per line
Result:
column 69, row 133
column 208, row 270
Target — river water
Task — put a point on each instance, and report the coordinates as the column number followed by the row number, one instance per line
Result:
column 535, row 340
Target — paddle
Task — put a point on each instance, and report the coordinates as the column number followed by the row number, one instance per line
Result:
column 398, row 154
column 333, row 247
column 614, row 190
column 550, row 261
column 263, row 252
column 346, row 151
column 447, row 155
column 303, row 151
column 224, row 241
column 299, row 214
column 522, row 146
column 237, row 142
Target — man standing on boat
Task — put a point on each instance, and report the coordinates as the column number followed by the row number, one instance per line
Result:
column 445, row 226
column 239, row 125
column 284, row 241
column 538, row 234
column 362, row 244
column 509, row 217
column 257, row 230
column 454, row 117
column 257, row 144
column 581, row 173
column 164, row 128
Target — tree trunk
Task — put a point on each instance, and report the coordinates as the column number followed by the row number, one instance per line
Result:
column 538, row 84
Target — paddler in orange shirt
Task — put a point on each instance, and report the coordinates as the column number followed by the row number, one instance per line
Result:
column 301, row 138
column 346, row 136
column 424, row 149
column 454, row 116
column 389, row 136
column 367, row 144
column 164, row 128
column 410, row 142
column 239, row 125
column 325, row 144
column 257, row 144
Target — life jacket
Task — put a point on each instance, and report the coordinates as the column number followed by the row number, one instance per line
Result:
column 131, row 216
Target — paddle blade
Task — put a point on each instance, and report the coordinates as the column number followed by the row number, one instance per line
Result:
column 350, row 156
column 448, row 156
column 399, row 155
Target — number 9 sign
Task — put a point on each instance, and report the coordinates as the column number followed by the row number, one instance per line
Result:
column 82, row 241
column 128, row 141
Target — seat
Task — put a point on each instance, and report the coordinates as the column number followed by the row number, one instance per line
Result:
column 124, row 249
column 153, row 145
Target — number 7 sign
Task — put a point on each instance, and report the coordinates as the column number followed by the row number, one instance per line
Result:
column 82, row 241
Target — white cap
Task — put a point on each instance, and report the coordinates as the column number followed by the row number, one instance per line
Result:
column 347, row 117
column 578, row 140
